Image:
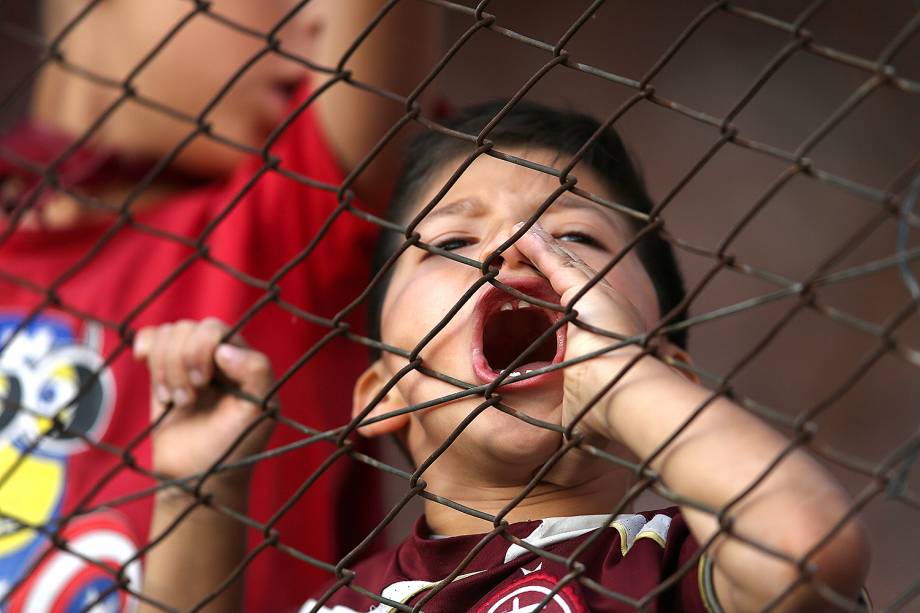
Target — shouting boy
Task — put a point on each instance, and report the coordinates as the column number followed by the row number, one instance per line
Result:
column 542, row 528
column 164, row 213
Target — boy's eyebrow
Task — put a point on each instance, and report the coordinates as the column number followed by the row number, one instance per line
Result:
column 474, row 207
column 470, row 207
column 571, row 201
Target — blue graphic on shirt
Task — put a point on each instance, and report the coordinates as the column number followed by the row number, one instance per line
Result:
column 90, row 593
column 54, row 391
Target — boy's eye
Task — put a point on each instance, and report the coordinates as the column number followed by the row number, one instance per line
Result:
column 578, row 237
column 452, row 244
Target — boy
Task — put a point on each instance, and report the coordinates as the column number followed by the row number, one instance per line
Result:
column 250, row 224
column 506, row 466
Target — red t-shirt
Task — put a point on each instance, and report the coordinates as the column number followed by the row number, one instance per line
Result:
column 154, row 279
column 629, row 559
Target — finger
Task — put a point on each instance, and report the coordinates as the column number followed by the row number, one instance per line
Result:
column 142, row 341
column 567, row 273
column 248, row 368
column 602, row 306
column 174, row 370
column 198, row 351
column 156, row 363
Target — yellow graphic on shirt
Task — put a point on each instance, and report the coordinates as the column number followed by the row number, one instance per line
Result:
column 29, row 496
column 56, row 396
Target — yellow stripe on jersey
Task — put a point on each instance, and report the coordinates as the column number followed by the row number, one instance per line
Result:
column 634, row 527
column 706, row 587
column 624, row 537
column 708, row 590
column 650, row 534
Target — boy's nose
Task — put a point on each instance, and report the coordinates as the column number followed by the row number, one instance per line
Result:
column 508, row 260
column 302, row 32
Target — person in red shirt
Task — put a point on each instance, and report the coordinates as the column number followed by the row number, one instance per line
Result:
column 118, row 242
column 533, row 523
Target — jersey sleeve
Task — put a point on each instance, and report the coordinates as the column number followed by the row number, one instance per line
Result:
column 706, row 587
column 682, row 557
column 654, row 556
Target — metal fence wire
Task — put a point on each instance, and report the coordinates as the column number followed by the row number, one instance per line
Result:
column 889, row 343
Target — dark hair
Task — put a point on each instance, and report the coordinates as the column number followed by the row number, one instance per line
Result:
column 529, row 124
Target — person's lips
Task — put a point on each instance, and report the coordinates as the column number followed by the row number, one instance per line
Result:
column 504, row 326
column 286, row 88
column 279, row 96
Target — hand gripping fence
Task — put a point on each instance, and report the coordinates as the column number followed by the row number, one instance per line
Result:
column 884, row 481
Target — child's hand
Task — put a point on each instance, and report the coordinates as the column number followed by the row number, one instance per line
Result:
column 184, row 359
column 602, row 307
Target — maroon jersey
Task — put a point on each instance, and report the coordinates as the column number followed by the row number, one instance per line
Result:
column 629, row 557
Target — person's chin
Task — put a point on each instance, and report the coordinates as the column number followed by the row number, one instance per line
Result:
column 208, row 159
column 523, row 445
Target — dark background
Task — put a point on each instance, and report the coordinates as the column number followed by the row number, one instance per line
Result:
column 801, row 225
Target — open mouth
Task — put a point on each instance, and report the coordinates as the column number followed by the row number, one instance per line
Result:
column 275, row 102
column 506, row 327
column 286, row 89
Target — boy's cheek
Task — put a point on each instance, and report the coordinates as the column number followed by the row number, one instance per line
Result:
column 411, row 318
column 417, row 388
column 633, row 282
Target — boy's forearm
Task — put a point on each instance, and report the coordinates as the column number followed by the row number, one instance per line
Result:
column 400, row 51
column 715, row 459
column 199, row 554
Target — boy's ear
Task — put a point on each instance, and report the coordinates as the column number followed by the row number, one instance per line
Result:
column 675, row 357
column 367, row 388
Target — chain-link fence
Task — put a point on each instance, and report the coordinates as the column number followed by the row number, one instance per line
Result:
column 779, row 145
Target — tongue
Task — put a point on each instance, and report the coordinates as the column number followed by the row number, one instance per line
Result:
column 508, row 333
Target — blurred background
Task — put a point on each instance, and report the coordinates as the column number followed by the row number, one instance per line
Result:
column 815, row 361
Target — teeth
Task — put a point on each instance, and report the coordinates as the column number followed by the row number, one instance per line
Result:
column 528, row 370
column 521, row 304
column 515, row 374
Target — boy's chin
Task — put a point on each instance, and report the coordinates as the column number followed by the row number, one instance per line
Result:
column 209, row 160
column 496, row 448
column 518, row 446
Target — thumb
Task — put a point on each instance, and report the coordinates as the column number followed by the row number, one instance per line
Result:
column 566, row 272
column 247, row 368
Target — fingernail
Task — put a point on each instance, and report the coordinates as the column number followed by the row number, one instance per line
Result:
column 162, row 393
column 539, row 230
column 196, row 377
column 181, row 397
column 229, row 353
column 558, row 248
column 140, row 344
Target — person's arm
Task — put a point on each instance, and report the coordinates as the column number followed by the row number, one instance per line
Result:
column 714, row 460
column 396, row 56
column 206, row 547
column 722, row 452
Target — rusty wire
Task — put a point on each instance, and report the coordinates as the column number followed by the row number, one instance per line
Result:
column 895, row 201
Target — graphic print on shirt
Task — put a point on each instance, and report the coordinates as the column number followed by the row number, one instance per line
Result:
column 43, row 368
column 527, row 593
column 63, row 582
